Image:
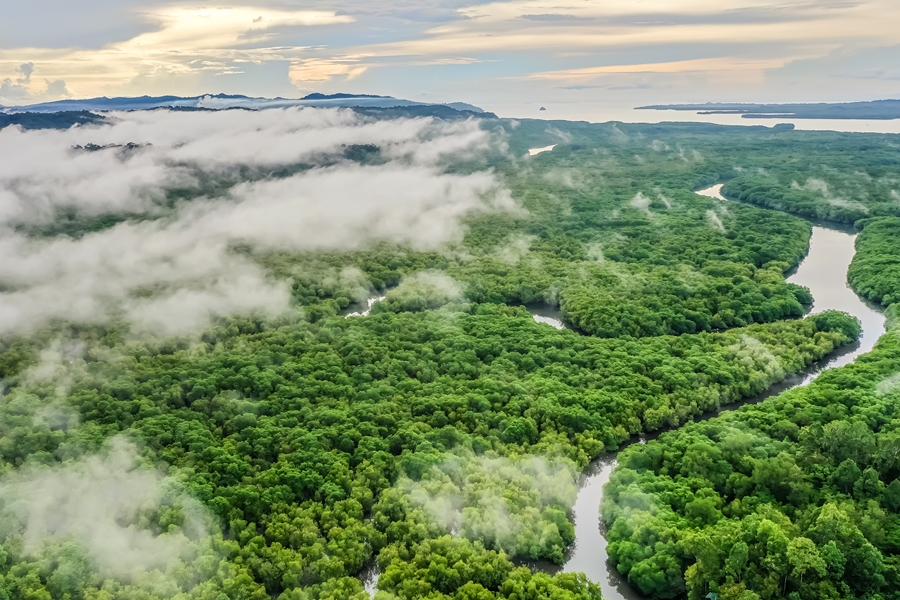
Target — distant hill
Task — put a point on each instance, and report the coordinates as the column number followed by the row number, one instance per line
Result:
column 222, row 101
column 873, row 110
column 56, row 120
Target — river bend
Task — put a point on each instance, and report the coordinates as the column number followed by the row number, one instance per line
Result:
column 824, row 272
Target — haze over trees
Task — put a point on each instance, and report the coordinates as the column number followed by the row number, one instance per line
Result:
column 177, row 350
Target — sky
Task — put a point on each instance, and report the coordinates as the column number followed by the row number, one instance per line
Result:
column 511, row 57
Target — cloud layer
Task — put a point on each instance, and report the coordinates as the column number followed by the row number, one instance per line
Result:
column 170, row 268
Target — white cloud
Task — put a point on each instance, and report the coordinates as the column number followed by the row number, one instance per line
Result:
column 714, row 221
column 176, row 268
column 462, row 495
column 100, row 502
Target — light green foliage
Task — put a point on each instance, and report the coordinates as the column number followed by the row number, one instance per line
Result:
column 447, row 567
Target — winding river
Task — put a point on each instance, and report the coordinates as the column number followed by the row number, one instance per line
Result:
column 824, row 272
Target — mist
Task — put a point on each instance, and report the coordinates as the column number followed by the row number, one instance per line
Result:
column 171, row 268
column 511, row 504
column 103, row 504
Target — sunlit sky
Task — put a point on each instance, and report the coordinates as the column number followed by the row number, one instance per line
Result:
column 511, row 57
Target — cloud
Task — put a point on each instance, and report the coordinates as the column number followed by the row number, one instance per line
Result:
column 753, row 354
column 26, row 70
column 423, row 11
column 11, row 93
column 550, row 17
column 729, row 64
column 160, row 46
column 888, row 385
column 100, row 503
column 319, row 69
column 57, row 89
column 499, row 501
column 641, row 203
column 714, row 221
column 175, row 268
column 20, row 92
column 819, row 186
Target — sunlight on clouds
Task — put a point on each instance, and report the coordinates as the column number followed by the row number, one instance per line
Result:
column 575, row 41
column 187, row 29
column 316, row 69
column 680, row 66
column 545, row 10
column 186, row 40
column 805, row 30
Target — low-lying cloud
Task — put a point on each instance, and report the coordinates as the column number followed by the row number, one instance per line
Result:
column 174, row 268
column 101, row 504
column 502, row 502
column 714, row 221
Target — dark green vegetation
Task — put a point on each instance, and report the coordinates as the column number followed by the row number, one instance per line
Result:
column 59, row 120
column 876, row 109
column 816, row 191
column 796, row 497
column 875, row 271
column 320, row 444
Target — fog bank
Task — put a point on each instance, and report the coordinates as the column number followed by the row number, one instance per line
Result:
column 169, row 268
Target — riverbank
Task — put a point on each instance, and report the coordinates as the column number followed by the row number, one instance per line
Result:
column 824, row 272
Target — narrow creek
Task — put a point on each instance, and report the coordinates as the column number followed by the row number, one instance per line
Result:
column 824, row 272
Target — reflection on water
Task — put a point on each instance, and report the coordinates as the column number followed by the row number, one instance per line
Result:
column 362, row 309
column 824, row 272
column 369, row 578
column 544, row 313
column 534, row 151
column 712, row 192
column 589, row 554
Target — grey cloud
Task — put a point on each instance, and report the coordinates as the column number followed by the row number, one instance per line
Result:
column 782, row 13
column 26, row 70
column 428, row 11
column 85, row 24
column 12, row 92
column 879, row 63
column 57, row 89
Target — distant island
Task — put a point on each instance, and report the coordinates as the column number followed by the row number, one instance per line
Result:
column 874, row 110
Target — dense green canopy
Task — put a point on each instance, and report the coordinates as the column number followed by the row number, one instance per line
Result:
column 796, row 497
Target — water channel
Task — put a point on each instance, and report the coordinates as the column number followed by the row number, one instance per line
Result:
column 824, row 272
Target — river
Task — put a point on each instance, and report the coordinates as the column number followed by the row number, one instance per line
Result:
column 824, row 272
